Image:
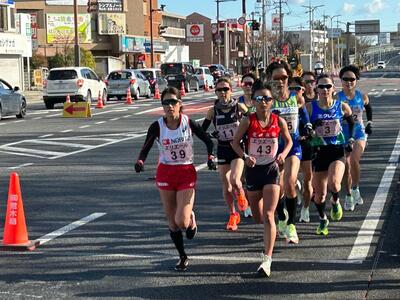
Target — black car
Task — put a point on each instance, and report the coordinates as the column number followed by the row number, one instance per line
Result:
column 154, row 77
column 218, row 71
column 176, row 73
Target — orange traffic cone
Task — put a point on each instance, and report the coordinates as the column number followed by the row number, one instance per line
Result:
column 68, row 99
column 183, row 93
column 15, row 234
column 157, row 95
column 100, row 103
column 206, row 87
column 128, row 97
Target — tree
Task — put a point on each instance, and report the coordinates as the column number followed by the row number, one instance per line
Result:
column 37, row 61
column 87, row 59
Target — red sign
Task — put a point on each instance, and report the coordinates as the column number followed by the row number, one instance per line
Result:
column 195, row 29
column 141, row 57
column 34, row 25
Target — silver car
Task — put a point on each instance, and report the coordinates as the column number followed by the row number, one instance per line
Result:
column 118, row 83
column 12, row 102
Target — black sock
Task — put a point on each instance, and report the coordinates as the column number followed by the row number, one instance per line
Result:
column 291, row 207
column 280, row 209
column 321, row 209
column 335, row 196
column 177, row 238
column 355, row 187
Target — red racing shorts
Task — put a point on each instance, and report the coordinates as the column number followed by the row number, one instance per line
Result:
column 176, row 177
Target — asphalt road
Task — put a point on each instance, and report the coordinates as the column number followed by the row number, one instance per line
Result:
column 77, row 175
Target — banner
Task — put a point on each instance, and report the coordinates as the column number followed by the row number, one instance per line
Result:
column 65, row 2
column 195, row 33
column 112, row 23
column 276, row 21
column 60, row 28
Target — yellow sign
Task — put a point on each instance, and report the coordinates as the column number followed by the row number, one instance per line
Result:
column 60, row 28
column 77, row 110
column 37, row 78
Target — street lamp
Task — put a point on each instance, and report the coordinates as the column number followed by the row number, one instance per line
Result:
column 332, row 54
column 151, row 30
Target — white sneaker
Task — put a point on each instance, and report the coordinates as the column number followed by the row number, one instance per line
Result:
column 247, row 212
column 265, row 267
column 305, row 215
column 349, row 203
column 357, row 196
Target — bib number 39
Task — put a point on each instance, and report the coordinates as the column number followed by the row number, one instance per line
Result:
column 178, row 155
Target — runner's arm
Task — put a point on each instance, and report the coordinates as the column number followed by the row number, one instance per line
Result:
column 243, row 126
column 208, row 118
column 152, row 133
column 347, row 115
column 286, row 137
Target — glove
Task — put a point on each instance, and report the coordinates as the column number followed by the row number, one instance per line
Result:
column 210, row 163
column 139, row 166
column 214, row 134
column 368, row 128
column 309, row 130
column 349, row 146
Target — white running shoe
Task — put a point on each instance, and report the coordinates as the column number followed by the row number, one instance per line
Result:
column 349, row 203
column 357, row 196
column 247, row 212
column 265, row 267
column 304, row 215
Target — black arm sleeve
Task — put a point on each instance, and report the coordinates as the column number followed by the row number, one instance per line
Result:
column 368, row 110
column 350, row 122
column 206, row 124
column 202, row 135
column 152, row 134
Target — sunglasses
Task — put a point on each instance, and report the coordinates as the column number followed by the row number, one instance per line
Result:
column 282, row 78
column 351, row 79
column 325, row 86
column 248, row 84
column 259, row 99
column 223, row 89
column 167, row 102
column 309, row 81
column 295, row 88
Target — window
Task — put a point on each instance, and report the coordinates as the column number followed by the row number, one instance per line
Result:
column 144, row 8
column 3, row 18
column 12, row 17
column 120, row 75
column 207, row 71
column 62, row 74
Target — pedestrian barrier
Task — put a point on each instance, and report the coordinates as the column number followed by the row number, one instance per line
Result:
column 206, row 87
column 183, row 93
column 157, row 95
column 100, row 103
column 15, row 237
column 128, row 97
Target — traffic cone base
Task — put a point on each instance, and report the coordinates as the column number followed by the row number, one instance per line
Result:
column 206, row 87
column 68, row 99
column 100, row 103
column 30, row 246
column 157, row 95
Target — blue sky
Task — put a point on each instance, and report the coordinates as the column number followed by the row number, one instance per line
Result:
column 387, row 11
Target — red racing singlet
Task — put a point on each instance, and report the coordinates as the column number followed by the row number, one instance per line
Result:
column 263, row 141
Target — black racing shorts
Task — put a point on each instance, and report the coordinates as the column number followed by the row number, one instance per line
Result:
column 261, row 175
column 325, row 155
column 306, row 150
column 225, row 154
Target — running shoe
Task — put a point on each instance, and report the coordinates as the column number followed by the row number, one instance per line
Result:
column 265, row 267
column 241, row 201
column 182, row 264
column 192, row 229
column 234, row 220
column 322, row 228
column 282, row 224
column 357, row 196
column 348, row 203
column 247, row 213
column 305, row 215
column 336, row 211
column 291, row 234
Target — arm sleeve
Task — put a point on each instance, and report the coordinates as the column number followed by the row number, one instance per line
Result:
column 202, row 135
column 152, row 134
column 303, row 114
column 350, row 122
column 206, row 124
column 368, row 110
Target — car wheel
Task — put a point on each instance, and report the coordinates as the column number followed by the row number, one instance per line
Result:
column 105, row 97
column 49, row 105
column 89, row 97
column 136, row 94
column 22, row 111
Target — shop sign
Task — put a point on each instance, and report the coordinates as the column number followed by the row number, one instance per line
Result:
column 109, row 5
column 60, row 28
column 112, row 23
column 129, row 44
column 11, row 43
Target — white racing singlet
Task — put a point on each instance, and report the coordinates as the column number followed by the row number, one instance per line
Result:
column 176, row 146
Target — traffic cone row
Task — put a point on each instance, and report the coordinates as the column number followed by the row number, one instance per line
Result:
column 15, row 236
column 100, row 103
column 128, row 97
column 183, row 93
column 157, row 95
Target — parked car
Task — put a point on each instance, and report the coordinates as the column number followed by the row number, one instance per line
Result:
column 381, row 65
column 203, row 74
column 176, row 73
column 118, row 82
column 154, row 77
column 80, row 83
column 12, row 102
column 218, row 71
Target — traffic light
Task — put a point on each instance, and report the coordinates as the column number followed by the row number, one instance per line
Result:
column 255, row 25
column 162, row 29
column 91, row 6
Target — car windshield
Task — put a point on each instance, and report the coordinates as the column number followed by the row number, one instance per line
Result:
column 120, row 75
column 213, row 68
column 167, row 69
column 199, row 71
column 62, row 74
column 148, row 74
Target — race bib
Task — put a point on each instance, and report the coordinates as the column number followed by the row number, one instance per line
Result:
column 357, row 114
column 178, row 153
column 227, row 131
column 291, row 116
column 329, row 128
column 263, row 149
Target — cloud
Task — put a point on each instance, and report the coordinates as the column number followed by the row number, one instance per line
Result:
column 348, row 7
column 374, row 6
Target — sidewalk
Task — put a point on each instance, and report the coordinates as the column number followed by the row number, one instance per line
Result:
column 33, row 96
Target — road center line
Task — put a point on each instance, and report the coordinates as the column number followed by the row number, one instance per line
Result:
column 63, row 230
column 368, row 228
column 20, row 166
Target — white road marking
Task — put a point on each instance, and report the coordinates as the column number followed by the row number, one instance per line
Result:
column 52, row 235
column 20, row 166
column 100, row 122
column 85, row 126
column 366, row 233
column 114, row 119
column 198, row 108
column 2, row 124
column 201, row 167
column 46, row 135
column 67, row 130
column 55, row 143
column 12, row 294
column 57, row 115
column 37, row 118
column 126, row 116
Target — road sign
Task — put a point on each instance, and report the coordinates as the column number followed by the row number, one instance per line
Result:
column 77, row 110
column 241, row 20
column 276, row 21
column 214, row 28
column 367, row 27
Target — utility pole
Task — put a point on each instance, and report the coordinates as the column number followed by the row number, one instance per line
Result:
column 280, row 28
column 332, row 53
column 76, row 42
column 347, row 56
column 151, row 35
column 325, row 37
column 264, row 30
column 310, row 11
column 218, row 30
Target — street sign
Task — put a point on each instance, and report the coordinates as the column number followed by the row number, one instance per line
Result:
column 276, row 21
column 195, row 33
column 334, row 33
column 241, row 20
column 367, row 27
column 77, row 110
column 214, row 28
